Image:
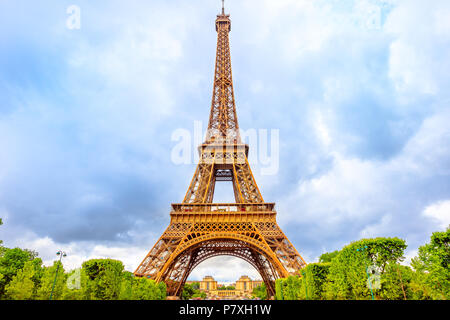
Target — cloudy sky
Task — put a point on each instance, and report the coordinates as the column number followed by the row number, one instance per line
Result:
column 357, row 89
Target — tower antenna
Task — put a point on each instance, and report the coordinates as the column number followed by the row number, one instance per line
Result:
column 223, row 6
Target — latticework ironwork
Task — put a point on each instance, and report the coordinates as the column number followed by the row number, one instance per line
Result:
column 200, row 229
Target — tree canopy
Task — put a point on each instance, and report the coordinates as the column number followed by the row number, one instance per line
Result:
column 373, row 266
column 432, row 267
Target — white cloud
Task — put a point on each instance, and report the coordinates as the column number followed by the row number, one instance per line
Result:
column 368, row 198
column 322, row 130
column 427, row 152
column 224, row 268
column 377, row 229
column 350, row 190
column 409, row 69
column 78, row 252
column 439, row 212
column 409, row 254
column 418, row 56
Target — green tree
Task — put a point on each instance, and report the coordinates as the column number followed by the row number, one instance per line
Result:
column 226, row 288
column 432, row 279
column 260, row 292
column 328, row 256
column 47, row 280
column 38, row 273
column 103, row 279
column 196, row 285
column 145, row 289
column 199, row 294
column 396, row 283
column 75, row 287
column 291, row 288
column 162, row 289
column 279, row 285
column 11, row 261
column 126, row 286
column 347, row 277
column 188, row 291
column 21, row 287
column 313, row 280
column 141, row 288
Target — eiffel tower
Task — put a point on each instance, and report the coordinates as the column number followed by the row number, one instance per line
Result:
column 200, row 229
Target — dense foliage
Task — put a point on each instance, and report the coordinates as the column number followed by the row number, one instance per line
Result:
column 328, row 256
column 192, row 290
column 260, row 292
column 313, row 280
column 226, row 288
column 98, row 279
column 432, row 277
column 141, row 288
column 104, row 279
column 348, row 274
column 11, row 262
column 371, row 269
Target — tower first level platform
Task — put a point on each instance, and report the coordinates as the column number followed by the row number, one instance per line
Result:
column 201, row 231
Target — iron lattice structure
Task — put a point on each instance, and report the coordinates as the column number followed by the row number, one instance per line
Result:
column 200, row 229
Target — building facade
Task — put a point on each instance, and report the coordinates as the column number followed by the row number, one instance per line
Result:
column 208, row 284
column 245, row 284
column 243, row 287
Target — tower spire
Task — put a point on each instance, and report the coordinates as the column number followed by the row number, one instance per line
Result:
column 223, row 123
